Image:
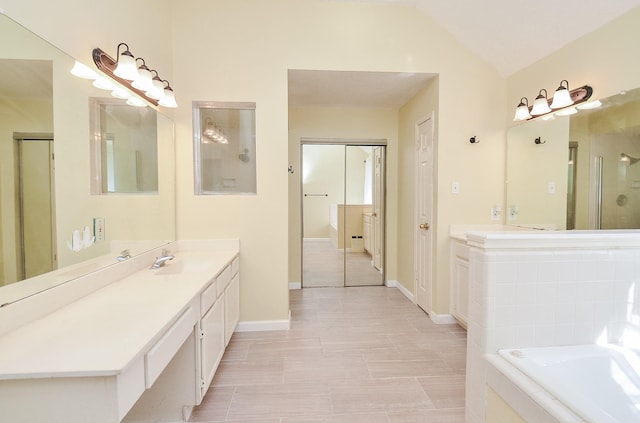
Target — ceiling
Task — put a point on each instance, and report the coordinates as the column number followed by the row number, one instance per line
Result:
column 498, row 31
column 308, row 88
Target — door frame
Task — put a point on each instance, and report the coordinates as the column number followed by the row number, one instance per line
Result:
column 428, row 307
column 19, row 138
column 373, row 142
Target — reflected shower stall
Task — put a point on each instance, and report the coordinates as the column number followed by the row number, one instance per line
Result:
column 615, row 197
column 342, row 214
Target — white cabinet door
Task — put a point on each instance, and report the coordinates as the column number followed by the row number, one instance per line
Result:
column 211, row 343
column 231, row 308
column 460, row 281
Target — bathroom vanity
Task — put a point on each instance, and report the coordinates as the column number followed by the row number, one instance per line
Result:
column 143, row 346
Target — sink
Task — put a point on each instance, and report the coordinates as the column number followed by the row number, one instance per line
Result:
column 182, row 265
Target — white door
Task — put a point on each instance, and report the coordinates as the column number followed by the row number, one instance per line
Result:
column 424, row 214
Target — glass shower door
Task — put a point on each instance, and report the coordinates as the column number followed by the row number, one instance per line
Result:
column 616, row 180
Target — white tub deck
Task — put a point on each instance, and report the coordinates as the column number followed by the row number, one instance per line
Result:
column 599, row 383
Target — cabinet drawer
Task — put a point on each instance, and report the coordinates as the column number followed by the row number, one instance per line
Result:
column 163, row 351
column 235, row 266
column 223, row 279
column 208, row 297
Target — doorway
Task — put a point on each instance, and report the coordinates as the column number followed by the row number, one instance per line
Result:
column 36, row 219
column 342, row 213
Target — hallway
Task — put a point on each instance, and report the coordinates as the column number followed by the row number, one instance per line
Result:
column 364, row 354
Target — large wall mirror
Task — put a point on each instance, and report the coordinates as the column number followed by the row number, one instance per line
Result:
column 45, row 171
column 580, row 171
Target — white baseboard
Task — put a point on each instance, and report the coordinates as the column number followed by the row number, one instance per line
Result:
column 402, row 289
column 295, row 285
column 264, row 325
column 442, row 319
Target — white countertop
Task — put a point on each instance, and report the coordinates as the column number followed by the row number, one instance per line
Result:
column 102, row 333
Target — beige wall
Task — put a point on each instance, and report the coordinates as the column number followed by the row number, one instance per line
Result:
column 261, row 41
column 250, row 63
column 478, row 168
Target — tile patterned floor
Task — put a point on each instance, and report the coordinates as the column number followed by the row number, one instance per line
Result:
column 362, row 354
column 324, row 266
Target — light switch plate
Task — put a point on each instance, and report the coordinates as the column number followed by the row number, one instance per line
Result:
column 455, row 187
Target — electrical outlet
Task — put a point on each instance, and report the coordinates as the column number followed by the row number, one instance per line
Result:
column 495, row 213
column 98, row 228
column 513, row 213
column 551, row 188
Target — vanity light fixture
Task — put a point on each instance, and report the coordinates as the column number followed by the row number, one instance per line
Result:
column 562, row 98
column 144, row 80
column 522, row 111
column 83, row 71
column 145, row 84
column 567, row 112
column 539, row 141
column 169, row 98
column 126, row 67
column 624, row 157
column 474, row 140
column 213, row 134
column 590, row 105
column 560, row 106
column 540, row 104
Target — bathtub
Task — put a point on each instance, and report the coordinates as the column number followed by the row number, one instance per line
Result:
column 599, row 383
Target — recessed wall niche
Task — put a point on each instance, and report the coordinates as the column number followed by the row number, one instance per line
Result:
column 224, row 137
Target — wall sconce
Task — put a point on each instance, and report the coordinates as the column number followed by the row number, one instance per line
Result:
column 539, row 141
column 212, row 134
column 126, row 72
column 474, row 140
column 562, row 104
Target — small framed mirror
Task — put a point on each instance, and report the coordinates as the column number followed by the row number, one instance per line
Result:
column 124, row 148
column 224, row 137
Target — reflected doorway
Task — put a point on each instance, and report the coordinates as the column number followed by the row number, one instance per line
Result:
column 36, row 220
column 342, row 213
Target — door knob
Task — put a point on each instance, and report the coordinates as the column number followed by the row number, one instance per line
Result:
column 424, row 226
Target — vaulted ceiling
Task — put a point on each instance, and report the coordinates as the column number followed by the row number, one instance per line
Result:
column 507, row 34
column 499, row 31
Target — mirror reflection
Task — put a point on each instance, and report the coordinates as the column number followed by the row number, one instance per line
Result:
column 45, row 131
column 125, row 146
column 583, row 172
column 225, row 148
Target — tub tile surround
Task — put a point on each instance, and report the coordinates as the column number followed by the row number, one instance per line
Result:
column 545, row 288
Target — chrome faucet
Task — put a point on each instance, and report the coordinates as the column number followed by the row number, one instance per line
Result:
column 160, row 261
column 124, row 255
